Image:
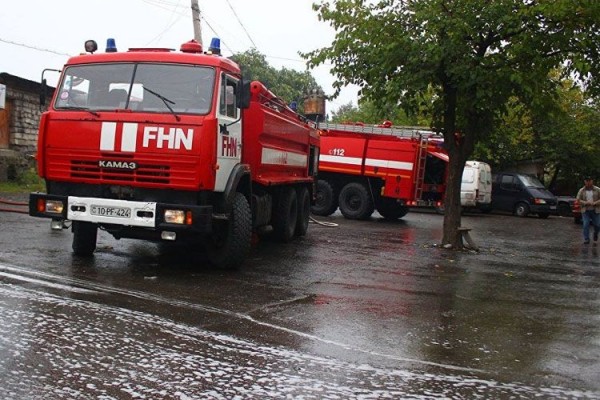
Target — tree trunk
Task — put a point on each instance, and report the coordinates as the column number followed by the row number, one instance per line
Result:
column 452, row 142
column 452, row 216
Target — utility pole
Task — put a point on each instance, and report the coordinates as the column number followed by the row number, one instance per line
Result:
column 196, row 21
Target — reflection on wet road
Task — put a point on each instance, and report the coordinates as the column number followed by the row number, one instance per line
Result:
column 53, row 345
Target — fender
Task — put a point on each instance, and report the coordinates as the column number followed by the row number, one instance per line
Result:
column 239, row 174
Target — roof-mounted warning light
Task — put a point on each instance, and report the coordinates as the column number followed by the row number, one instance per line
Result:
column 111, row 46
column 215, row 46
column 90, row 46
column 191, row 47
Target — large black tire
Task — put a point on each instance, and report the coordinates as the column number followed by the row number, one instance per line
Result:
column 391, row 210
column 326, row 201
column 285, row 215
column 355, row 201
column 231, row 238
column 303, row 211
column 84, row 238
column 521, row 209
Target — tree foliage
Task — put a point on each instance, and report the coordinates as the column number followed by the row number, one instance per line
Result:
column 562, row 131
column 288, row 84
column 470, row 56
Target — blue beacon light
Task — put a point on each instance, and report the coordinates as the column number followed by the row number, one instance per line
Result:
column 215, row 46
column 111, row 46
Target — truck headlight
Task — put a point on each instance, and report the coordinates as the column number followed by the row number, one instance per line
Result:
column 50, row 206
column 180, row 217
column 539, row 201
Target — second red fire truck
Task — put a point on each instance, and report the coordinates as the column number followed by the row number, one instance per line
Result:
column 387, row 168
column 162, row 145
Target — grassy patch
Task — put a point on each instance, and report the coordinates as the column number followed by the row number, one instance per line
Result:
column 27, row 182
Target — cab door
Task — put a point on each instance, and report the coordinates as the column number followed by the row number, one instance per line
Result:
column 485, row 184
column 229, row 131
column 505, row 192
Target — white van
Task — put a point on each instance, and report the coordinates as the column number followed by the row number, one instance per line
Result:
column 476, row 186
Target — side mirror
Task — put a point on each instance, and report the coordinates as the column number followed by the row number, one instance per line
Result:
column 43, row 93
column 244, row 97
column 44, row 87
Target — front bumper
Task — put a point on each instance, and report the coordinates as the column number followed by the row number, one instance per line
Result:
column 137, row 214
column 544, row 208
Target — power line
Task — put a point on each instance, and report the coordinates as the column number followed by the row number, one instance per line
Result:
column 240, row 22
column 34, row 47
column 69, row 55
column 164, row 5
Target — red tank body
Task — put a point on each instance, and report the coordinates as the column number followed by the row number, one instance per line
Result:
column 283, row 140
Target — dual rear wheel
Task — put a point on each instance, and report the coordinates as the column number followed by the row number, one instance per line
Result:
column 232, row 238
column 355, row 201
column 291, row 213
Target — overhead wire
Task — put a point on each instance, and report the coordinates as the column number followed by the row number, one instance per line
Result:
column 174, row 8
column 241, row 24
column 173, row 12
column 28, row 46
column 165, row 6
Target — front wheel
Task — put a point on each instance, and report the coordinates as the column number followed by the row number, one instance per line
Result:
column 521, row 210
column 231, row 238
column 325, row 200
column 84, row 238
column 391, row 210
column 355, row 201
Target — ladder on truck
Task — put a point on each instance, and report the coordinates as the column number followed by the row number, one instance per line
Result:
column 411, row 132
column 420, row 172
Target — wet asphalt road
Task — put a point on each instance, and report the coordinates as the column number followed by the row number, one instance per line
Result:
column 365, row 310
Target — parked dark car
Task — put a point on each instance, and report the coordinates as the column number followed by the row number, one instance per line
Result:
column 522, row 195
column 565, row 205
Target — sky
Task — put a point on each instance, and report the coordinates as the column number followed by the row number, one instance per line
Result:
column 39, row 34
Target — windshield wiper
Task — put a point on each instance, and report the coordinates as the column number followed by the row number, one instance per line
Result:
column 94, row 113
column 164, row 100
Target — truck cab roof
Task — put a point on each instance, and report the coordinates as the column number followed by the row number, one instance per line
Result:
column 157, row 56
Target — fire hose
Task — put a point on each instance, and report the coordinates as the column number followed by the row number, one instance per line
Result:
column 13, row 203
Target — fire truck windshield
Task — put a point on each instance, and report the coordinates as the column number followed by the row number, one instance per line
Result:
column 139, row 87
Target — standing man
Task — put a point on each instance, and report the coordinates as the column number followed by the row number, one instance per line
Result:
column 589, row 198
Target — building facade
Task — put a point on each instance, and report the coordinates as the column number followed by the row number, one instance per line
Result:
column 20, row 112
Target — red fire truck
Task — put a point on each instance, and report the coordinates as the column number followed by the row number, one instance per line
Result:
column 384, row 167
column 157, row 144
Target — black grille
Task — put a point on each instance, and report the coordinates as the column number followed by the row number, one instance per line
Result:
column 144, row 173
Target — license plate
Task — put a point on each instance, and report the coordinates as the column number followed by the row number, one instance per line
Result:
column 118, row 212
column 553, row 207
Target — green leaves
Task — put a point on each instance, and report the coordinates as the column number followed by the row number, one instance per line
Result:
column 487, row 51
column 289, row 84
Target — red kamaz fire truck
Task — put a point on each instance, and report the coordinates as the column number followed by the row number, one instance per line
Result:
column 163, row 145
column 384, row 167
